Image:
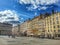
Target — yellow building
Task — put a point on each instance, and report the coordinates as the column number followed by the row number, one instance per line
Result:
column 44, row 25
column 33, row 27
column 52, row 28
column 38, row 26
column 25, row 27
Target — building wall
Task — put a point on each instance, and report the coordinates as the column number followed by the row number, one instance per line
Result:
column 15, row 30
column 33, row 27
column 5, row 29
column 52, row 25
column 48, row 25
column 38, row 25
column 24, row 27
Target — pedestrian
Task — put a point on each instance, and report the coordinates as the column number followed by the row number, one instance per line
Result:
column 13, row 35
column 9, row 35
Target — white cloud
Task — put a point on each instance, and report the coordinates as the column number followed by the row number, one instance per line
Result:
column 8, row 15
column 35, row 3
column 43, row 8
column 42, row 2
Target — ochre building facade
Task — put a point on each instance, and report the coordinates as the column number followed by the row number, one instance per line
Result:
column 47, row 25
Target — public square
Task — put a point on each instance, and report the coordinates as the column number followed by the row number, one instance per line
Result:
column 5, row 40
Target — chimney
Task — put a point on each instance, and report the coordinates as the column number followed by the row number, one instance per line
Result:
column 47, row 14
column 42, row 16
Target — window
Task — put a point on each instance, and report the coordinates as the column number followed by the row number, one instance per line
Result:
column 48, row 30
column 58, row 30
column 57, row 22
column 56, row 18
column 54, row 30
column 58, row 26
column 54, row 26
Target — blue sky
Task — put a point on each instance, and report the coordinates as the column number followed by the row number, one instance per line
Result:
column 22, row 10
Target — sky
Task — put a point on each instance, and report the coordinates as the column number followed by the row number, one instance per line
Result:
column 18, row 11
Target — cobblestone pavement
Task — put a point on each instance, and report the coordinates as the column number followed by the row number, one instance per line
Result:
column 5, row 40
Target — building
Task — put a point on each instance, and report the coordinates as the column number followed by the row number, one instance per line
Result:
column 16, row 30
column 23, row 28
column 5, row 29
column 47, row 25
column 38, row 26
column 52, row 28
column 33, row 27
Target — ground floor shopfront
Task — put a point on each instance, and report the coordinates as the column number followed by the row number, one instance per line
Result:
column 5, row 32
column 53, row 35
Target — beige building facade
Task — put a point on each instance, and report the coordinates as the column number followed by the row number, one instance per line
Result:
column 52, row 28
column 16, row 30
column 47, row 25
column 33, row 27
